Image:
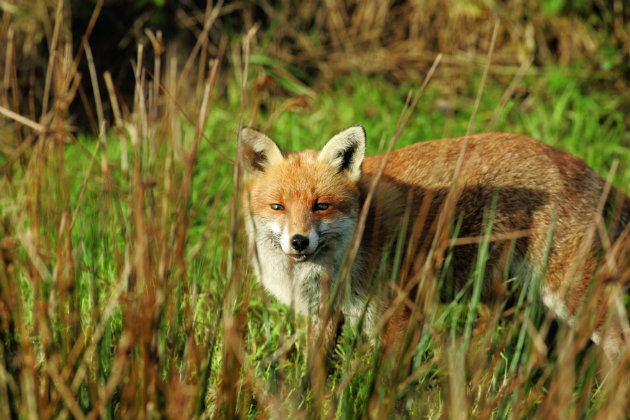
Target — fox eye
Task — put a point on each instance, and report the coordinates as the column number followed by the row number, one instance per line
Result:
column 321, row 206
column 276, row 206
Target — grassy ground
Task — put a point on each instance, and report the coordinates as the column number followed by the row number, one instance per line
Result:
column 125, row 291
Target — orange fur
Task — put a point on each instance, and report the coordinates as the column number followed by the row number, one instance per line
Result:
column 530, row 191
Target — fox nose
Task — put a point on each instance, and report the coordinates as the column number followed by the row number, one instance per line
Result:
column 299, row 242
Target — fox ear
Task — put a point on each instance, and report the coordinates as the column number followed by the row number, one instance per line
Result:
column 257, row 151
column 345, row 151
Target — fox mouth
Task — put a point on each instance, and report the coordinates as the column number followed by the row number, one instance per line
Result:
column 299, row 257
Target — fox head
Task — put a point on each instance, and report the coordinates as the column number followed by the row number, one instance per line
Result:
column 307, row 203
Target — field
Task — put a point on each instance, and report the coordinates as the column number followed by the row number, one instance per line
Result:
column 125, row 290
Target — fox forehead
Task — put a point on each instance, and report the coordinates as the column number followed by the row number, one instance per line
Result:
column 300, row 179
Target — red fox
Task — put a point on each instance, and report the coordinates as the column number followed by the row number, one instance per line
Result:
column 302, row 210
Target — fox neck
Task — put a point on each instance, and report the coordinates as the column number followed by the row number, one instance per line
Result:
column 307, row 285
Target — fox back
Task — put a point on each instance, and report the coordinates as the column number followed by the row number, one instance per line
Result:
column 534, row 205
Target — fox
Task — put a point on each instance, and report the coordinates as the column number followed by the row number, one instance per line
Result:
column 536, row 206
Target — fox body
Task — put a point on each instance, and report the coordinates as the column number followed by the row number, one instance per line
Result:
column 302, row 210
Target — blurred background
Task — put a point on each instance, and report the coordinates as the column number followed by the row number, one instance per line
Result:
column 301, row 47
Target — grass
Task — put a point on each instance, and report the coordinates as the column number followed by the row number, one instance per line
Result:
column 125, row 291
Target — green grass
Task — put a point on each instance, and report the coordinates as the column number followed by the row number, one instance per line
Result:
column 159, row 343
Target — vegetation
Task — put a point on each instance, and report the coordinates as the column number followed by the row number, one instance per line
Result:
column 125, row 290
